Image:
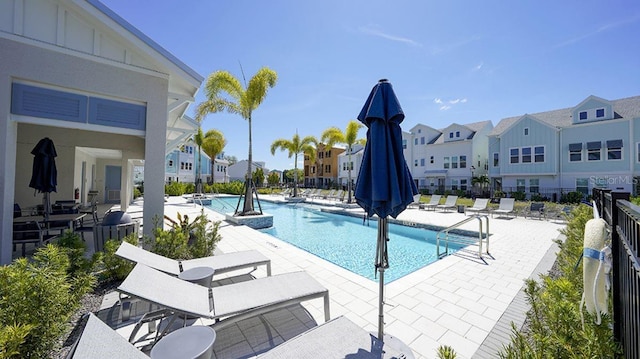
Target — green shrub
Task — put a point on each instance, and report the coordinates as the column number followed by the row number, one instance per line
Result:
column 136, row 193
column 498, row 194
column 554, row 324
column 75, row 249
column 571, row 197
column 519, row 195
column 116, row 268
column 38, row 297
column 11, row 338
column 175, row 189
column 186, row 239
column 446, row 352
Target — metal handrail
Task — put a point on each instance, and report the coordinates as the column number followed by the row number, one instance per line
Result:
column 452, row 240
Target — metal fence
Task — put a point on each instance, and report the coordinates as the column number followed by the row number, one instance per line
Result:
column 624, row 219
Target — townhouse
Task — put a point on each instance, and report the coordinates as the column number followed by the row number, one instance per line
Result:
column 593, row 144
column 447, row 159
column 323, row 172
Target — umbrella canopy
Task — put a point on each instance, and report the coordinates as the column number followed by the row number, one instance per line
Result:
column 44, row 176
column 385, row 186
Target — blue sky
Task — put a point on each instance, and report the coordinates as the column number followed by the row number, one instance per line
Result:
column 449, row 61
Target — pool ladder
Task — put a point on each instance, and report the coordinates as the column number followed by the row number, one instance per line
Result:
column 458, row 240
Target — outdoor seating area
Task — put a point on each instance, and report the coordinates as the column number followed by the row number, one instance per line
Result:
column 449, row 203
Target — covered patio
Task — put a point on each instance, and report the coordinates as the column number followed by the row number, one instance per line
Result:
column 107, row 95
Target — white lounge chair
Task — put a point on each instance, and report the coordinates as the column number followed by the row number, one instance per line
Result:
column 99, row 341
column 448, row 204
column 221, row 263
column 225, row 304
column 433, row 202
column 505, row 207
column 479, row 205
column 416, row 201
column 338, row 338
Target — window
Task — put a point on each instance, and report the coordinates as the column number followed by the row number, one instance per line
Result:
column 526, row 131
column 327, row 168
column 450, row 134
column 496, row 159
column 446, row 162
column 575, row 152
column 600, row 112
column 431, row 158
column 583, row 115
column 638, row 151
column 514, row 154
column 329, row 154
column 320, row 154
column 457, row 133
column 415, row 163
column 181, row 165
column 463, row 184
column 593, row 151
column 404, row 144
column 454, row 162
column 614, row 150
column 534, row 185
column 538, row 154
column 170, row 163
column 582, row 185
column 454, row 184
column 526, row 154
column 415, row 141
column 422, row 140
column 422, row 162
column 419, row 130
column 463, row 161
column 520, row 184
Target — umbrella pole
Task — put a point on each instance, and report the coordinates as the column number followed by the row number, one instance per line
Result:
column 382, row 262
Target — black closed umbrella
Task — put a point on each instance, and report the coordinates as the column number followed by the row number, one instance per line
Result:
column 44, row 175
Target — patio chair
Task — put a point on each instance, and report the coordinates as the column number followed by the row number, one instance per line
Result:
column 479, row 206
column 536, row 209
column 433, row 202
column 30, row 232
column 416, row 201
column 221, row 263
column 338, row 195
column 225, row 304
column 505, row 207
column 449, row 203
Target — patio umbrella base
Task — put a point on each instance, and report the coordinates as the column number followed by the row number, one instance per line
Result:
column 395, row 347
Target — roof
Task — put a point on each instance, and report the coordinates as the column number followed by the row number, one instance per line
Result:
column 473, row 127
column 623, row 108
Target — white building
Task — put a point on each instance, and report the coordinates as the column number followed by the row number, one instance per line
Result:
column 351, row 160
column 238, row 170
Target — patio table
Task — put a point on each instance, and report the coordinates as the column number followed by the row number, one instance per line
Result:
column 195, row 342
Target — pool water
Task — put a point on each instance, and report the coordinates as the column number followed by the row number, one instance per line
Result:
column 345, row 240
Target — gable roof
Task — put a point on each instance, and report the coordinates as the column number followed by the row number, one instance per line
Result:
column 473, row 127
column 624, row 108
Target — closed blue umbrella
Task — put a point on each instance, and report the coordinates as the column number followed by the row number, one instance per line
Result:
column 385, row 186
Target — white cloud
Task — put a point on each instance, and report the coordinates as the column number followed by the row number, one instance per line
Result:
column 479, row 66
column 376, row 32
column 450, row 103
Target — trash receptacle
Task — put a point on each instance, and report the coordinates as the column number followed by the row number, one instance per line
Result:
column 460, row 208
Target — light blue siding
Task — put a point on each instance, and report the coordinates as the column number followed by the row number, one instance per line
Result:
column 596, row 132
column 494, row 147
column 539, row 134
column 633, row 146
column 173, row 156
column 117, row 114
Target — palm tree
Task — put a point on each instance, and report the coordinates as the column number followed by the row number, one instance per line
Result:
column 295, row 146
column 212, row 144
column 242, row 101
column 312, row 153
column 334, row 135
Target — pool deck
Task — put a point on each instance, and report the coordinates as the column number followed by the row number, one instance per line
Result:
column 459, row 301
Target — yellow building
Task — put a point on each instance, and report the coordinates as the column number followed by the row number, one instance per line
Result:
column 323, row 173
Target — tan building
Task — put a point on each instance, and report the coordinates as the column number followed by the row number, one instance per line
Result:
column 323, row 173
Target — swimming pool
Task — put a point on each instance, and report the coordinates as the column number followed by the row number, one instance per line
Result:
column 345, row 240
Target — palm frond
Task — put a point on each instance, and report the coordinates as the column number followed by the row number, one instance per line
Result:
column 257, row 88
